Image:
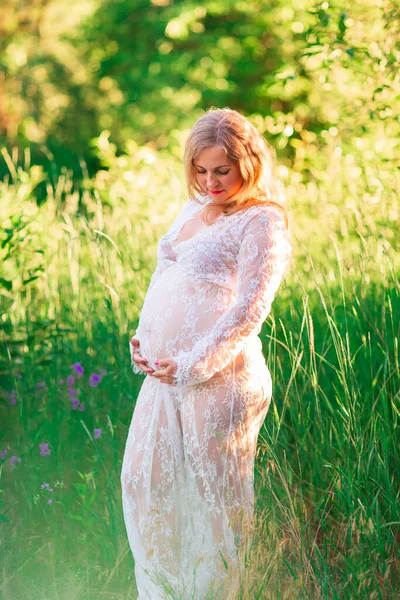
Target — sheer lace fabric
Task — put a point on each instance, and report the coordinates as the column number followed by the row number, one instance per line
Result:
column 188, row 468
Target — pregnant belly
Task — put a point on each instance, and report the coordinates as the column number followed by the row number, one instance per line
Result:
column 177, row 312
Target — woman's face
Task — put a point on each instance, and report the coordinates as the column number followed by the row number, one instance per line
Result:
column 216, row 173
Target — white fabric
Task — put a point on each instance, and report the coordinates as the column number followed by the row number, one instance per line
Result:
column 188, row 468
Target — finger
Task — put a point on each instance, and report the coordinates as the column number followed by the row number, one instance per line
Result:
column 157, row 375
column 161, row 373
column 146, row 369
column 168, row 371
column 166, row 363
column 164, row 372
column 142, row 363
column 162, row 362
column 139, row 357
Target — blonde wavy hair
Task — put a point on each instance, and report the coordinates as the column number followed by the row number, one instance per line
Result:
column 245, row 146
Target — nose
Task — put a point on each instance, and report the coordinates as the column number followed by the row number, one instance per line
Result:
column 212, row 182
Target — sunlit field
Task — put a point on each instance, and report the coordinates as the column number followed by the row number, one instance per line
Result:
column 77, row 253
column 75, row 272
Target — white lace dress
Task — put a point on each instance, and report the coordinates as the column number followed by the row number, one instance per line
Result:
column 187, row 473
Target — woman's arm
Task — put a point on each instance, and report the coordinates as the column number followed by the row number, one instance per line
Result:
column 264, row 253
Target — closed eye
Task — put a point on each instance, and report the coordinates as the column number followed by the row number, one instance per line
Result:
column 218, row 172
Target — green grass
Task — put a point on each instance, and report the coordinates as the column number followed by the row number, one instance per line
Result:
column 76, row 269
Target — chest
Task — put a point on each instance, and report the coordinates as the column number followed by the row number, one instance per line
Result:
column 205, row 251
column 194, row 226
column 189, row 230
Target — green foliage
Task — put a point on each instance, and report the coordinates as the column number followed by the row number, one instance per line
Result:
column 146, row 70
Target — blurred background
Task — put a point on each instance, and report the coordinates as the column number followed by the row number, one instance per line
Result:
column 96, row 101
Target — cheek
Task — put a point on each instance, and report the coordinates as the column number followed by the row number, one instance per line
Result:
column 200, row 179
column 234, row 182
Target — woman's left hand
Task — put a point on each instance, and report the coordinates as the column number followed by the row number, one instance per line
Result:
column 166, row 370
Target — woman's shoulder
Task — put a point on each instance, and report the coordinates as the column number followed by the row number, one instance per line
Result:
column 271, row 214
column 266, row 225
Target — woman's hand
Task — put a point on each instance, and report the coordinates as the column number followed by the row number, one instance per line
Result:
column 138, row 358
column 166, row 371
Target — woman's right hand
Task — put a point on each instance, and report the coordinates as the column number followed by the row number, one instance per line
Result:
column 138, row 358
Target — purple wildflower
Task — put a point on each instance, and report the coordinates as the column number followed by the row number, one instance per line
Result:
column 75, row 402
column 44, row 485
column 82, row 407
column 44, row 449
column 94, row 380
column 3, row 454
column 50, row 501
column 78, row 369
column 42, row 384
column 97, row 434
column 13, row 399
column 61, row 382
column 72, row 392
column 70, row 379
column 13, row 459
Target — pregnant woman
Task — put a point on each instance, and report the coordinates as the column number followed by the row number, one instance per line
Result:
column 188, row 468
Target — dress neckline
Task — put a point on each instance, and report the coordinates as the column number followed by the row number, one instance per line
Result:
column 207, row 227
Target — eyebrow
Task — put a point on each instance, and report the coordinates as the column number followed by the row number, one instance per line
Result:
column 220, row 166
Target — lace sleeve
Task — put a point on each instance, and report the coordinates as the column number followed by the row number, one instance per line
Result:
column 264, row 253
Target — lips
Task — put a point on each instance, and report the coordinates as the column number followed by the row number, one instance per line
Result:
column 216, row 191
